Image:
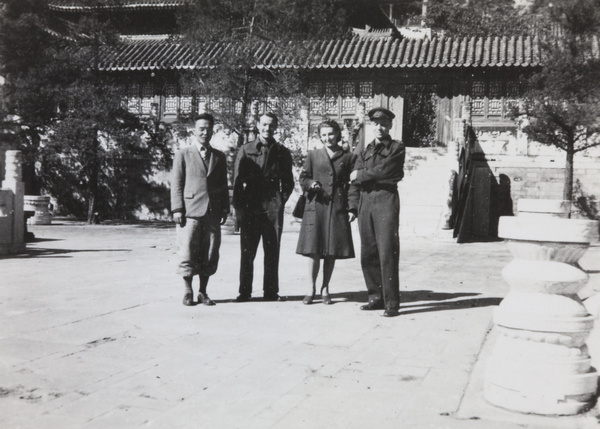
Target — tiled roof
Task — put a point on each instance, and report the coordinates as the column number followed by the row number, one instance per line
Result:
column 82, row 5
column 350, row 53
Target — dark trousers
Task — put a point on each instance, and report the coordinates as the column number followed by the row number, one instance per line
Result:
column 378, row 222
column 267, row 226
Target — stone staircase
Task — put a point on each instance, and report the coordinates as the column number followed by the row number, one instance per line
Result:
column 423, row 192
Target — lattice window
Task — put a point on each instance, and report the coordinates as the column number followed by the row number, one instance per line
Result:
column 478, row 107
column 272, row 104
column 203, row 103
column 331, row 97
column 495, row 89
column 133, row 98
column 171, row 99
column 348, row 97
column 147, row 98
column 478, row 90
column 288, row 105
column 315, row 90
column 512, row 89
column 366, row 94
column 186, row 101
column 237, row 107
column 495, row 107
column 493, row 100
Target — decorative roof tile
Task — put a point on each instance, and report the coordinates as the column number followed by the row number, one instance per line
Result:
column 81, row 5
column 356, row 52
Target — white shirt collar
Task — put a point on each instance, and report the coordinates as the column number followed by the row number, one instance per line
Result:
column 200, row 147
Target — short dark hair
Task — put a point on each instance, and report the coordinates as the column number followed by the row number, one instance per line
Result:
column 206, row 116
column 333, row 125
column 272, row 116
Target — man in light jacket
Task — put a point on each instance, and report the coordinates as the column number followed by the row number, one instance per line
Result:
column 200, row 205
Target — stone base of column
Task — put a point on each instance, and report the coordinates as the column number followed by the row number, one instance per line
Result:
column 39, row 205
column 540, row 363
column 541, row 372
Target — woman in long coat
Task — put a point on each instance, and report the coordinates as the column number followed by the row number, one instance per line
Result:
column 325, row 232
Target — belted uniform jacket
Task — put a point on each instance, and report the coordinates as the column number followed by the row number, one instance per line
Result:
column 195, row 186
column 378, row 166
column 263, row 179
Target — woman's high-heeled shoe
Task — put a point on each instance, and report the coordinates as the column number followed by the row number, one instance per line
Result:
column 308, row 299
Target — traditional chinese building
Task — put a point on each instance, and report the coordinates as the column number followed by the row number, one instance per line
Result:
column 475, row 81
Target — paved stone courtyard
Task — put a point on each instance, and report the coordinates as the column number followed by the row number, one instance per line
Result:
column 93, row 334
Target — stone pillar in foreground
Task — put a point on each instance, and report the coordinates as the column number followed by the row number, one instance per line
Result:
column 13, row 222
column 540, row 363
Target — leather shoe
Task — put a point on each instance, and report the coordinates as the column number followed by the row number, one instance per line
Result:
column 372, row 305
column 188, row 299
column 204, row 299
column 308, row 299
column 273, row 297
column 243, row 298
column 327, row 299
column 390, row 312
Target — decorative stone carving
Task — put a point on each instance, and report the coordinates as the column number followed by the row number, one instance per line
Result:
column 40, row 206
column 540, row 363
column 13, row 166
column 12, row 220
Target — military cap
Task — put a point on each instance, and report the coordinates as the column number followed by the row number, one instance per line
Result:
column 380, row 113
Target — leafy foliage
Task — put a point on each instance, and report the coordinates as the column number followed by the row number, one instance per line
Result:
column 90, row 153
column 561, row 102
column 478, row 18
column 283, row 25
column 419, row 124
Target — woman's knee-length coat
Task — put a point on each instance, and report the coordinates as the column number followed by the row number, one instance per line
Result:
column 325, row 229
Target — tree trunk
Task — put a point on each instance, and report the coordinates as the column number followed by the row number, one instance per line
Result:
column 92, row 216
column 568, row 179
column 243, row 137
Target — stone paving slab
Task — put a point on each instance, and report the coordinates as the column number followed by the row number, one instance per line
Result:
column 93, row 334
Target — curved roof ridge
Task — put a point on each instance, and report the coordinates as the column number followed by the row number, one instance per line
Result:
column 342, row 53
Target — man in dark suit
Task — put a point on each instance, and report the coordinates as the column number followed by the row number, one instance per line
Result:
column 200, row 205
column 373, row 196
column 263, row 182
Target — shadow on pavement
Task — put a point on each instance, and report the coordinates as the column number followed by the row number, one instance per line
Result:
column 56, row 253
column 39, row 240
column 427, row 300
column 448, row 305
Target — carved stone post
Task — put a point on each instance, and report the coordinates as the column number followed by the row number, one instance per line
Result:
column 39, row 205
column 13, row 181
column 540, row 363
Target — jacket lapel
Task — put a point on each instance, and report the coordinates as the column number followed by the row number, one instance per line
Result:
column 327, row 160
column 337, row 154
column 198, row 159
column 213, row 161
column 272, row 156
column 253, row 149
column 369, row 151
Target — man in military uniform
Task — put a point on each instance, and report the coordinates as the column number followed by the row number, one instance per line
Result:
column 263, row 182
column 373, row 197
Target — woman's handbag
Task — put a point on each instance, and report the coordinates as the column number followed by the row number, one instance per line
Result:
column 299, row 208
